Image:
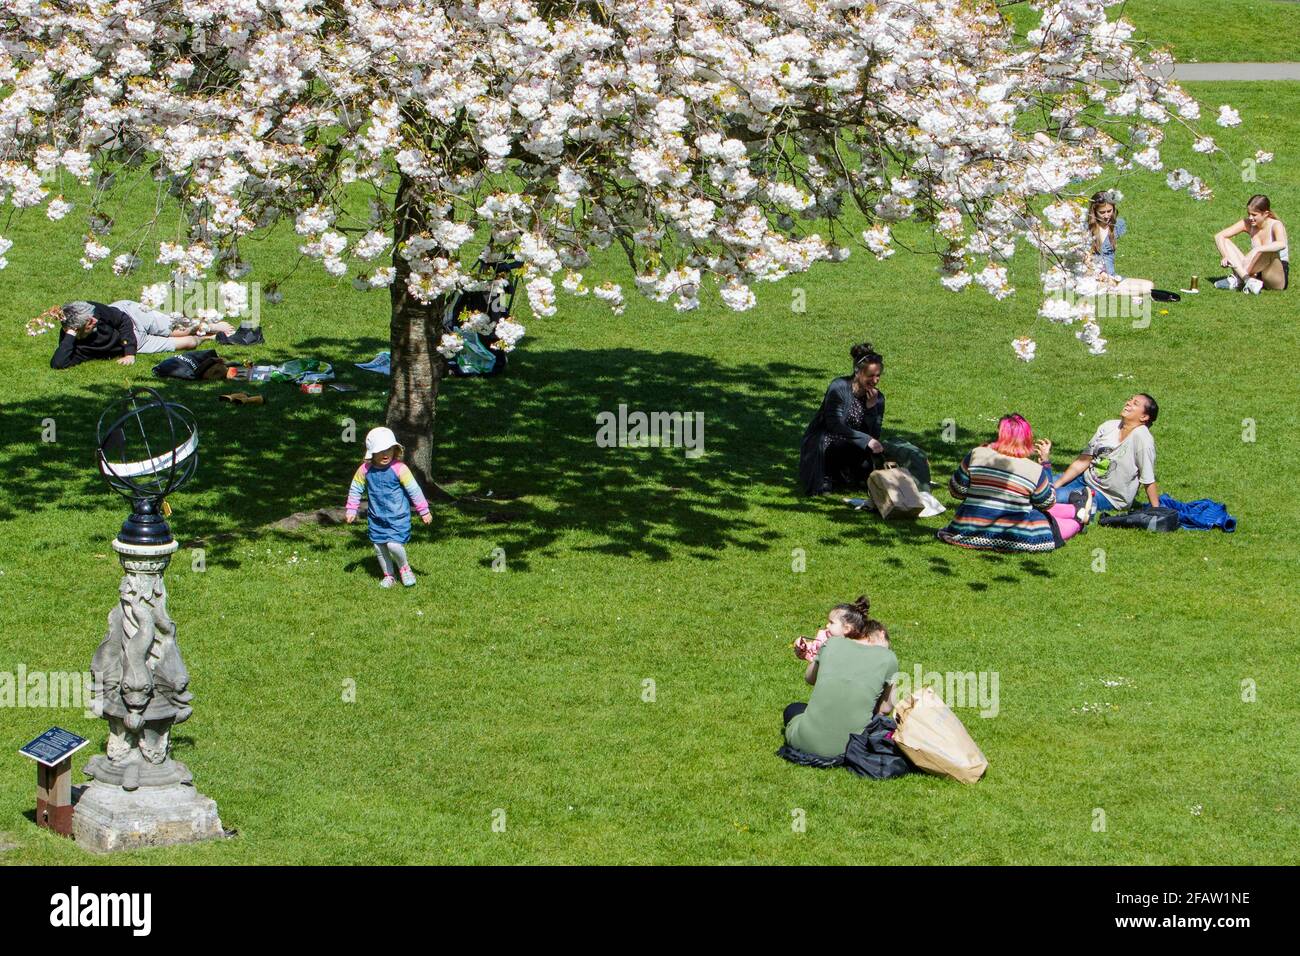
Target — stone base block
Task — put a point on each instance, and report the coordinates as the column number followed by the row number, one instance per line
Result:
column 108, row 818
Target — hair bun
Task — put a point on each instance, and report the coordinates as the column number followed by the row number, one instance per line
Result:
column 865, row 354
column 862, row 604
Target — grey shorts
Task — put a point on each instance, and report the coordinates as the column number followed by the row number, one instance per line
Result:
column 153, row 329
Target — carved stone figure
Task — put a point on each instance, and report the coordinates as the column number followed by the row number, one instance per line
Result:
column 140, row 682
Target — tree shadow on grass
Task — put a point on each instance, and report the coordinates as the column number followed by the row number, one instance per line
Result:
column 527, row 437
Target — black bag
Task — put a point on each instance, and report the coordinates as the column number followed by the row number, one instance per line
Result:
column 873, row 752
column 1148, row 519
column 192, row 366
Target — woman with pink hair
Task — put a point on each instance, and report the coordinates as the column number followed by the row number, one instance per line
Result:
column 1007, row 500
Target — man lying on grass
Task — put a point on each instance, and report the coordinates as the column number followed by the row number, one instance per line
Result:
column 92, row 330
column 1120, row 457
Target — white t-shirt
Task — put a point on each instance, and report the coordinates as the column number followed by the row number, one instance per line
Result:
column 1118, row 468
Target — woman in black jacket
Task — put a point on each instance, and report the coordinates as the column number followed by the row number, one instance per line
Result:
column 841, row 440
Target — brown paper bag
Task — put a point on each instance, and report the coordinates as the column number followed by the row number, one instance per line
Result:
column 895, row 492
column 932, row 737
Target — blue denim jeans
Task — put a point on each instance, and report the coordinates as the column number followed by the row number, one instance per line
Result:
column 1078, row 484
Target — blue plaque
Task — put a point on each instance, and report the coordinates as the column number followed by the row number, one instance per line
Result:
column 53, row 747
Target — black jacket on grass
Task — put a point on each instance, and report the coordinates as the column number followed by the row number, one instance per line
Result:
column 871, row 753
column 112, row 337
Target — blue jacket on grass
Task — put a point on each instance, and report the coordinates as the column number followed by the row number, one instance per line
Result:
column 1200, row 515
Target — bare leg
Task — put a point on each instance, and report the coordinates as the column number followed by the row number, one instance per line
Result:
column 1134, row 287
column 1268, row 267
column 183, row 343
column 1274, row 275
column 1232, row 257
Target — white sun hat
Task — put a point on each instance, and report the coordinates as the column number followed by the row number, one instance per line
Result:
column 381, row 439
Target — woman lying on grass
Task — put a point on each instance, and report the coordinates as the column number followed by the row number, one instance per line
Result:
column 851, row 676
column 1008, row 503
column 1268, row 263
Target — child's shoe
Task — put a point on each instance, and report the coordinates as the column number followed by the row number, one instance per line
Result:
column 388, row 581
column 1085, row 505
column 408, row 576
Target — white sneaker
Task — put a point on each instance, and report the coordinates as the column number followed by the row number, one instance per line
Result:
column 388, row 581
column 1228, row 282
column 1084, row 512
column 408, row 576
column 1253, row 285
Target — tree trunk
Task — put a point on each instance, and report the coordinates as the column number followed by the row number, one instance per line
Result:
column 417, row 368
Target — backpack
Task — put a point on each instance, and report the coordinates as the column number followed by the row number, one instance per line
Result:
column 1148, row 519
column 895, row 492
column 192, row 366
column 477, row 357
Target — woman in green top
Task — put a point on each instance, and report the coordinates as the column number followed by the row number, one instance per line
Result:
column 852, row 680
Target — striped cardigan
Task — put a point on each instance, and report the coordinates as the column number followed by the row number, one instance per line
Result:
column 1004, row 500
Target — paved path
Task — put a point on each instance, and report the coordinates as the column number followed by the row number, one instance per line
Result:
column 1234, row 71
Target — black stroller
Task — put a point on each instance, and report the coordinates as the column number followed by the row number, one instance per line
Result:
column 476, row 358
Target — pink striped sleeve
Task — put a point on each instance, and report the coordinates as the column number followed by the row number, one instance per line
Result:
column 357, row 488
column 411, row 487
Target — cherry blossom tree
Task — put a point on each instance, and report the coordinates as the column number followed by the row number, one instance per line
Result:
column 730, row 142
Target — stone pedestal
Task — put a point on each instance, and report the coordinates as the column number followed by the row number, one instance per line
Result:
column 108, row 818
column 140, row 796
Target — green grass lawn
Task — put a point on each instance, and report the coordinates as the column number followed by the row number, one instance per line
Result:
column 524, row 691
column 1198, row 31
column 1227, row 30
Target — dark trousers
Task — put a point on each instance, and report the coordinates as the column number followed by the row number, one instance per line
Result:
column 847, row 465
column 798, row 707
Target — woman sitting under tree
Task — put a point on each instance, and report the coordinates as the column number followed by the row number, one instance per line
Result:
column 841, row 440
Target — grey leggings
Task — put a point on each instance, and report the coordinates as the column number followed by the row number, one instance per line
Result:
column 396, row 550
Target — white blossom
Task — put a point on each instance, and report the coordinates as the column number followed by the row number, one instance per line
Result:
column 508, row 335
column 877, row 239
column 372, row 244
column 57, row 209
column 94, row 252
column 450, row 344
column 710, row 140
